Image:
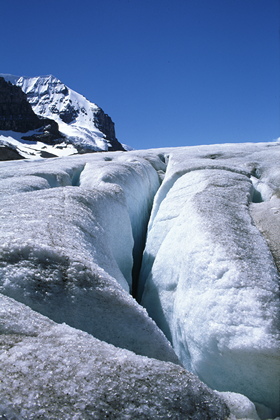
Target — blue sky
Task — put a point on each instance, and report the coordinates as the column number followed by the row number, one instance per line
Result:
column 169, row 73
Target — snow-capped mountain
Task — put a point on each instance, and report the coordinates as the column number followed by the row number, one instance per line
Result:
column 193, row 233
column 83, row 126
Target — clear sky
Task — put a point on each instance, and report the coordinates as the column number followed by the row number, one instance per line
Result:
column 169, row 73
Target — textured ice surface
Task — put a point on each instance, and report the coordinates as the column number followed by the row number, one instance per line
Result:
column 52, row 371
column 66, row 251
column 135, row 181
column 240, row 406
column 72, row 233
column 266, row 216
column 209, row 278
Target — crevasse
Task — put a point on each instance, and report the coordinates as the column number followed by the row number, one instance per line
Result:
column 66, row 251
column 207, row 275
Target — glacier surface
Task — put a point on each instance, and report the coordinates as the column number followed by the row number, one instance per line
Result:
column 53, row 371
column 208, row 277
column 192, row 233
column 67, row 251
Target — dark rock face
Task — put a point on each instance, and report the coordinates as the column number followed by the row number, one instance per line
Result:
column 8, row 153
column 16, row 114
column 69, row 114
column 48, row 133
column 105, row 124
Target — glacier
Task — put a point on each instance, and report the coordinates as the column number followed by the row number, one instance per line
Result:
column 52, row 371
column 75, row 255
column 147, row 282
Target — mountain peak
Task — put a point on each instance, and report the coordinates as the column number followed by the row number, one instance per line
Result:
column 83, row 124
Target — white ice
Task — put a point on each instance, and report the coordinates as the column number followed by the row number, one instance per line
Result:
column 52, row 371
column 72, row 232
column 208, row 275
column 67, row 249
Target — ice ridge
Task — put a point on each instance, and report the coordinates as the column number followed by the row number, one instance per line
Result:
column 208, row 275
column 207, row 220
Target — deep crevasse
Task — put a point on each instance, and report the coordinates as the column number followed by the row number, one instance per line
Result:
column 135, row 181
column 67, row 252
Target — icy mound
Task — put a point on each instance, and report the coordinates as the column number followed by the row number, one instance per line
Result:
column 209, row 278
column 67, row 251
column 72, row 237
column 52, row 371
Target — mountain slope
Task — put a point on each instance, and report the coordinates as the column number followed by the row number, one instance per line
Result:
column 83, row 125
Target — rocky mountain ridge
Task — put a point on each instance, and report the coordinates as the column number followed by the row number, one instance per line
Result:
column 16, row 113
column 50, row 113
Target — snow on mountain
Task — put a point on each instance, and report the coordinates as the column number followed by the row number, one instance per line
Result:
column 75, row 245
column 83, row 125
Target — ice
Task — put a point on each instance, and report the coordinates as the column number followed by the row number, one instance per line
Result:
column 67, row 251
column 208, row 276
column 266, row 218
column 240, row 406
column 72, row 236
column 138, row 181
column 53, row 371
